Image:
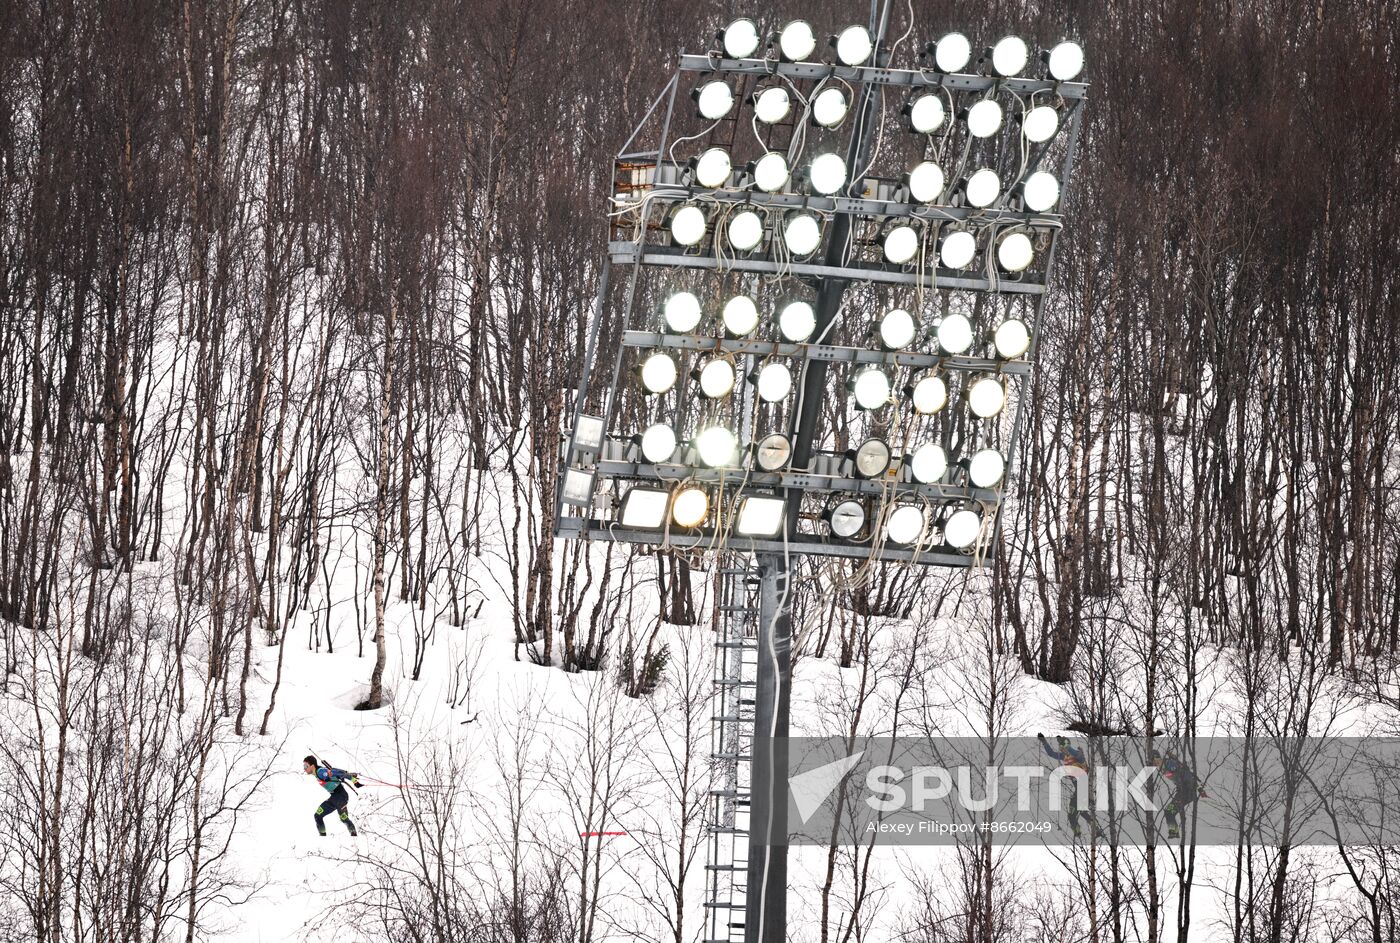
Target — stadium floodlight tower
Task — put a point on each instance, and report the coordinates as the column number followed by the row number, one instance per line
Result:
column 816, row 233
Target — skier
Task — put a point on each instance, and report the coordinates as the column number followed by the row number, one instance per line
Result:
column 1072, row 758
column 333, row 781
column 1186, row 788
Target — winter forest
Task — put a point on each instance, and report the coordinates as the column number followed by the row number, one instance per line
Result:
column 293, row 300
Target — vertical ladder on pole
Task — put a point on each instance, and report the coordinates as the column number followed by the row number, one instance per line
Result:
column 731, row 742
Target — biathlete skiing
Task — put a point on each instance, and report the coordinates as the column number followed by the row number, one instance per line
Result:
column 333, row 781
column 1073, row 760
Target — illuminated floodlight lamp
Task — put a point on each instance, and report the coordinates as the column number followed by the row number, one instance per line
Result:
column 802, row 233
column 901, row 244
column 588, row 433
column 1041, row 191
column 688, row 225
column 796, row 321
column 955, row 333
column 740, row 38
column 770, row 172
column 681, row 312
column 871, row 458
column 928, row 464
column 871, row 388
column 926, row 182
column 1014, row 252
column 958, row 249
column 984, row 118
column 827, row 174
column 1012, row 338
column 713, row 100
column 716, row 379
column 986, row 468
column 846, row 519
column 658, row 443
column 906, row 524
column 690, row 507
column 986, row 397
column 745, row 230
column 962, row 529
column 772, row 104
column 898, row 328
column 740, row 316
column 983, row 188
column 578, row 488
column 658, row 372
column 1065, row 61
column 772, row 452
column 712, row 168
column 774, row 382
column 797, row 41
column 716, row 446
column 644, row 508
column 760, row 517
column 1040, row 124
column 952, row 53
column 1009, row 55
column 926, row 113
column 930, row 395
column 829, row 107
column 853, row 45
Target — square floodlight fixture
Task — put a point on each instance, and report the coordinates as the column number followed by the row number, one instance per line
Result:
column 578, row 488
column 644, row 508
column 761, row 517
column 588, row 433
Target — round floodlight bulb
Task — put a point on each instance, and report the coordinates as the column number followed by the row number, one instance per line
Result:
column 681, row 312
column 926, row 114
column 871, row 388
column 983, row 188
column 829, row 107
column 797, row 41
column 772, row 452
column 897, row 329
column 802, row 233
column 1012, row 339
column 688, row 225
column 1014, row 252
column 658, row 373
column 1041, row 191
column 713, row 167
column 740, row 315
column 658, row 443
column 963, row 529
column 774, row 382
column 905, row 524
column 955, row 334
column 986, row 468
column 984, row 118
column 717, row 379
column 770, row 173
column 930, row 395
column 797, row 321
column 872, row 458
column 1040, row 124
column 1009, row 55
column 928, row 464
column 958, row 249
column 745, row 230
column 1066, row 61
column 772, row 104
column 690, row 507
column 741, row 38
column 901, row 244
column 986, row 397
column 854, row 46
column 716, row 446
column 926, row 182
column 952, row 53
column 828, row 174
column 846, row 519
column 714, row 99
